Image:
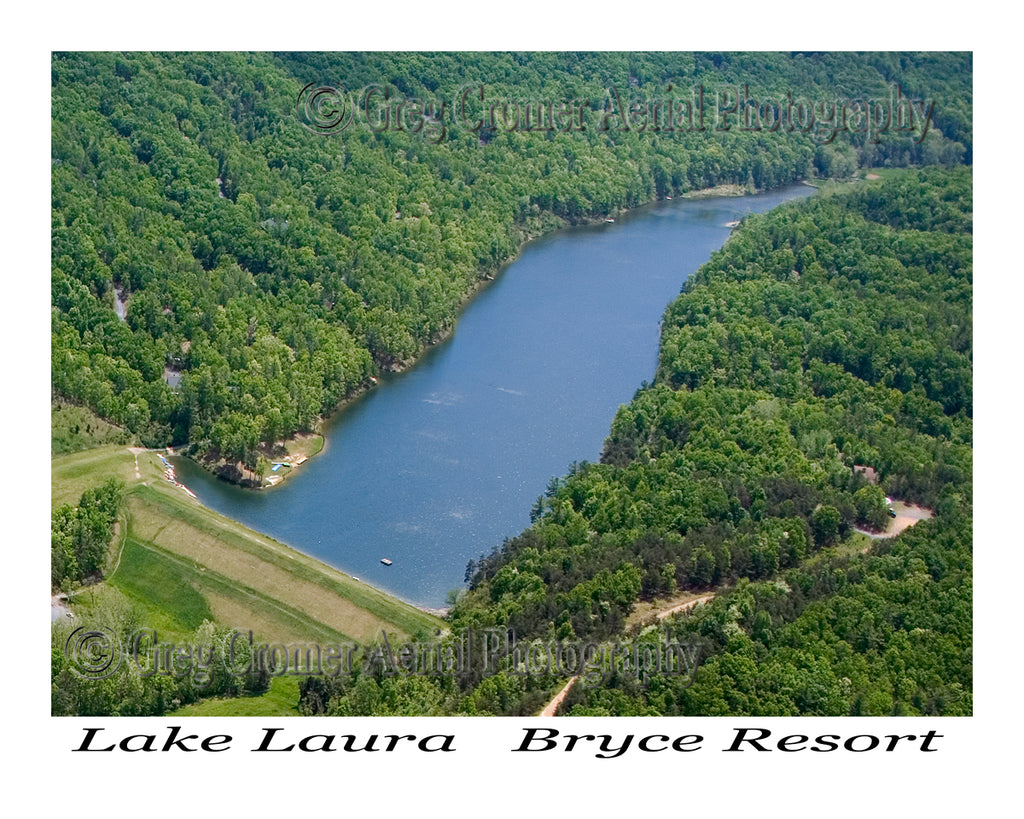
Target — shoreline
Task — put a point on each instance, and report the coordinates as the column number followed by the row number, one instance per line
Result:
column 209, row 543
column 282, row 460
column 723, row 191
column 527, row 235
column 324, row 421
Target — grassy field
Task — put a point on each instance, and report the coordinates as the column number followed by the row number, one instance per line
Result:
column 279, row 701
column 182, row 563
column 854, row 543
column 166, row 592
column 71, row 475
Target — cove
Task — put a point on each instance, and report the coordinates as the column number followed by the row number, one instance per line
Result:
column 440, row 464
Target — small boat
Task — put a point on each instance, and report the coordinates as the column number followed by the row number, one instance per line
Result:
column 609, row 220
column 385, row 561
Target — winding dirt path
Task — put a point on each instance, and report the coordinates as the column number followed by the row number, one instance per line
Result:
column 552, row 707
column 135, row 450
column 661, row 615
column 559, row 698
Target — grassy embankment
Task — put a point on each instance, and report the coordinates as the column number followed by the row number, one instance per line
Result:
column 73, row 428
column 181, row 563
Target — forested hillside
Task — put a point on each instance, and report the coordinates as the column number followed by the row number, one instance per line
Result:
column 224, row 277
column 266, row 273
column 827, row 334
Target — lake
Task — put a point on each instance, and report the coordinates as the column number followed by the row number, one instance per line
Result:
column 440, row 464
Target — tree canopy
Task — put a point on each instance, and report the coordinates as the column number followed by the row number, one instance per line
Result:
column 808, row 345
column 266, row 272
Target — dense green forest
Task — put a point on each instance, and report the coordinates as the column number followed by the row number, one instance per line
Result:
column 223, row 277
column 826, row 334
column 274, row 271
column 80, row 535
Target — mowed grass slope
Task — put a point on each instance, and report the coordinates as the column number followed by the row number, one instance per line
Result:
column 71, row 475
column 182, row 562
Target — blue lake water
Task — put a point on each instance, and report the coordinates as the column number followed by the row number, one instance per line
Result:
column 440, row 464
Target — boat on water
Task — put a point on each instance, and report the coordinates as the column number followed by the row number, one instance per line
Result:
column 385, row 561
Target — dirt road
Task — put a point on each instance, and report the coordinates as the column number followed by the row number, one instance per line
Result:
column 661, row 615
column 907, row 514
column 559, row 698
column 551, row 707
